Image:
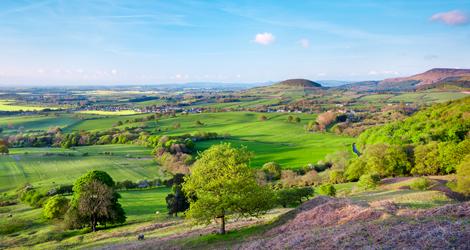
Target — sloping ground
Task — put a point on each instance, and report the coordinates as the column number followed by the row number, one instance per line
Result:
column 329, row 223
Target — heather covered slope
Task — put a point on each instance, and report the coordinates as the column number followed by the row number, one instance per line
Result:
column 330, row 223
column 390, row 216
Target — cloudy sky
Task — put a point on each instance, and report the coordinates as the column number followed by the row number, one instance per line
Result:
column 58, row 42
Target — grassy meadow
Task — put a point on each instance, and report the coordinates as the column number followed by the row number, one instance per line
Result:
column 7, row 105
column 46, row 167
column 272, row 140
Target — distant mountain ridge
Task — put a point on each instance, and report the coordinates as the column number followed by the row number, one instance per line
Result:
column 430, row 77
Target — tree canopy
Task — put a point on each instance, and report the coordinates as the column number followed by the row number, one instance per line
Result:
column 221, row 183
column 94, row 202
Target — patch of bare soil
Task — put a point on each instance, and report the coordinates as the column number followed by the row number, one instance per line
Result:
column 330, row 223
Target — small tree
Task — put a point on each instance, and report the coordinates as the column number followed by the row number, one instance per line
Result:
column 326, row 189
column 290, row 118
column 56, row 207
column 222, row 183
column 177, row 201
column 272, row 171
column 368, row 181
column 4, row 150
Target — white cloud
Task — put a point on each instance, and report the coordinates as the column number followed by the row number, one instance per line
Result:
column 304, row 42
column 264, row 38
column 114, row 71
column 454, row 17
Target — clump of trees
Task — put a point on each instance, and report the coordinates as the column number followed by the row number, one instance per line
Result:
column 94, row 202
column 222, row 183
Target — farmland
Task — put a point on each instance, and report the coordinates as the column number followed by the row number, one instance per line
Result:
column 46, row 167
column 8, row 105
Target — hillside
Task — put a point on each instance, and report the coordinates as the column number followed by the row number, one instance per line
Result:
column 391, row 216
column 298, row 83
column 441, row 122
column 291, row 89
column 429, row 77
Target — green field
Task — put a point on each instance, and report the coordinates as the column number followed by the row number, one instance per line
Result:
column 63, row 166
column 99, row 122
column 272, row 140
column 36, row 122
column 427, row 97
column 101, row 112
column 6, row 105
column 143, row 205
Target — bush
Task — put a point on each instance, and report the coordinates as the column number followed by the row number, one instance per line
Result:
column 293, row 196
column 420, row 184
column 463, row 176
column 368, row 181
column 272, row 171
column 55, row 207
column 336, row 176
column 33, row 198
column 326, row 189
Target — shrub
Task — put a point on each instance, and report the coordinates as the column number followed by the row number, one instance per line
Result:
column 368, row 181
column 272, row 171
column 55, row 207
column 293, row 196
column 326, row 189
column 336, row 176
column 33, row 198
column 421, row 183
column 463, row 176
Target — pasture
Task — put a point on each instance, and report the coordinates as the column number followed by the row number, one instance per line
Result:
column 12, row 124
column 6, row 105
column 272, row 140
column 46, row 167
column 102, row 112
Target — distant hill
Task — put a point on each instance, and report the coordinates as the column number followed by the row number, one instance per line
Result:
column 296, row 83
column 429, row 78
column 290, row 89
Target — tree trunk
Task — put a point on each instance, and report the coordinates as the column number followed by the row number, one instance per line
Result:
column 93, row 224
column 222, row 224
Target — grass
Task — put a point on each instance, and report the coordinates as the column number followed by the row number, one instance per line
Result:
column 101, row 112
column 100, row 122
column 40, row 170
column 7, row 105
column 272, row 140
column 12, row 124
column 27, row 227
column 427, row 97
column 142, row 205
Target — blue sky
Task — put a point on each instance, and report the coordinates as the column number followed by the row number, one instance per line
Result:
column 55, row 42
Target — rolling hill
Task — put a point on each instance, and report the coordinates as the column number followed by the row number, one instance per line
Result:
column 291, row 88
column 431, row 77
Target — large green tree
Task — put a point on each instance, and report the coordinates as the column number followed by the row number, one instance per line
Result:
column 221, row 183
column 95, row 201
